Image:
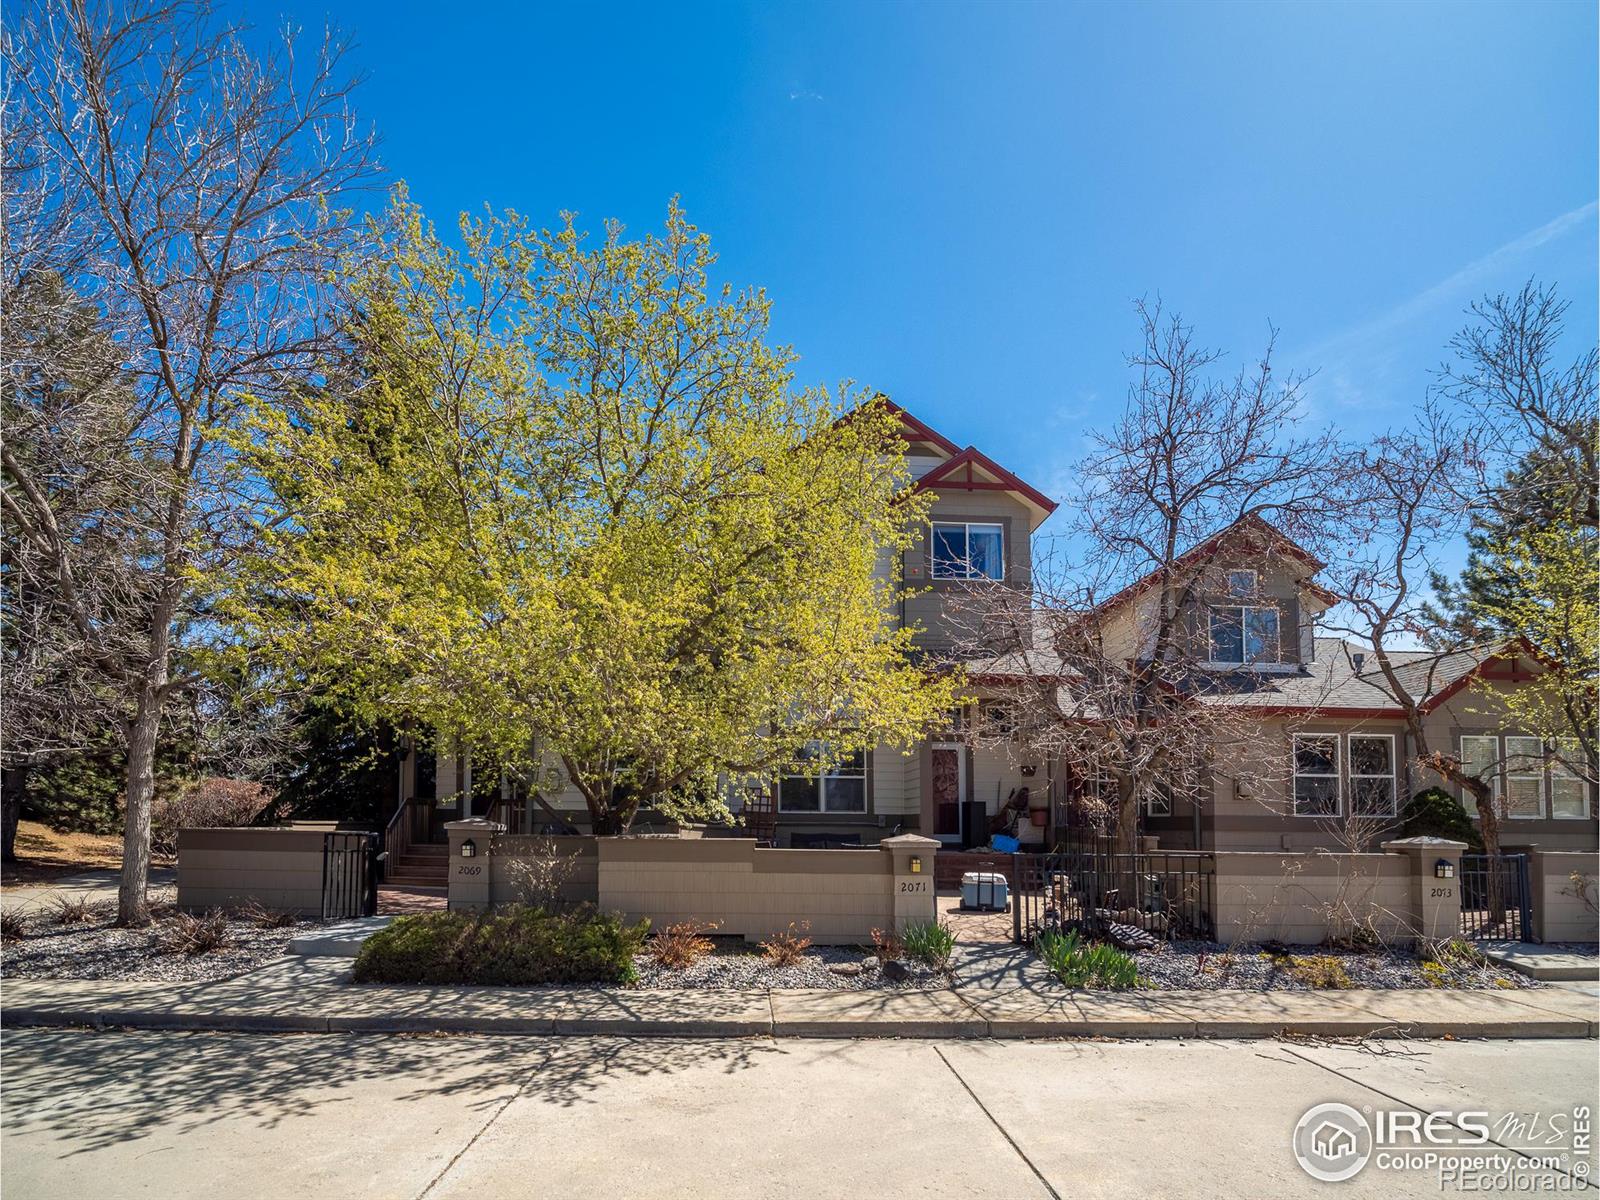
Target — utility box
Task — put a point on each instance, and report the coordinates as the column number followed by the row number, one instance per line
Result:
column 985, row 891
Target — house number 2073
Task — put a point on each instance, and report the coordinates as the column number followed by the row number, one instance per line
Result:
column 913, row 885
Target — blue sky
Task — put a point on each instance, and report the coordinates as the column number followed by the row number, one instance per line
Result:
column 957, row 204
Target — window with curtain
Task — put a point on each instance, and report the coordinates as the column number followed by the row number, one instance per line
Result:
column 1316, row 775
column 1524, row 778
column 1569, row 795
column 1480, row 757
column 1372, row 774
column 965, row 550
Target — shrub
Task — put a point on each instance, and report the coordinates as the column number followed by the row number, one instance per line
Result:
column 70, row 910
column 12, row 927
column 789, row 947
column 929, row 943
column 1453, row 953
column 537, row 872
column 210, row 803
column 1319, row 970
column 266, row 918
column 1077, row 965
column 512, row 946
column 188, row 933
column 886, row 944
column 682, row 945
column 1434, row 812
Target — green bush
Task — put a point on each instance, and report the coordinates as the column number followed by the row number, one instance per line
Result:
column 1434, row 812
column 929, row 943
column 514, row 946
column 1077, row 965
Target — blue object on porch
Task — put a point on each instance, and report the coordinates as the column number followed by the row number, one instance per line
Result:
column 1004, row 844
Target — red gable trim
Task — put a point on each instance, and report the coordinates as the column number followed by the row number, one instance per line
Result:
column 1515, row 648
column 945, row 478
column 914, row 430
column 1213, row 544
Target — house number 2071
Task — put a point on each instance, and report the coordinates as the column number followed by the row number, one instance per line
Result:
column 913, row 885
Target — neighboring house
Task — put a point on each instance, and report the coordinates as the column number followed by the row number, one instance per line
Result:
column 1321, row 741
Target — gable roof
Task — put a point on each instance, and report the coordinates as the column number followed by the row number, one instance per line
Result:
column 1248, row 527
column 960, row 473
column 914, row 430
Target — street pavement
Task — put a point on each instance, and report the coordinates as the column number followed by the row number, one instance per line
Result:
column 110, row 1114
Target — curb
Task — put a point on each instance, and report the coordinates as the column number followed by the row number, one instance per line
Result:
column 976, row 1026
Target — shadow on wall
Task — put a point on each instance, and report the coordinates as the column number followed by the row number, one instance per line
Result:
column 127, row 1085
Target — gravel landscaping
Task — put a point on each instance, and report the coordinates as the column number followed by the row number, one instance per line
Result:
column 1207, row 966
column 735, row 966
column 97, row 949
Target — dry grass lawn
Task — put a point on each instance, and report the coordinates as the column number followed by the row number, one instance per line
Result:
column 47, row 854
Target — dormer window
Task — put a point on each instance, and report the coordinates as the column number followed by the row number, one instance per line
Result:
column 965, row 550
column 1244, row 634
column 1242, row 584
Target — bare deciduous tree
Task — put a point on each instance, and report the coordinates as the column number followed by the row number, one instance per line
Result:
column 1201, row 470
column 188, row 188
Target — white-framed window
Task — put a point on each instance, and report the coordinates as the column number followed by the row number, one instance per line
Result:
column 1316, row 774
column 1244, row 634
column 1524, row 778
column 968, row 550
column 1158, row 804
column 1372, row 771
column 842, row 787
column 995, row 720
column 1242, row 584
column 1480, row 757
column 1569, row 795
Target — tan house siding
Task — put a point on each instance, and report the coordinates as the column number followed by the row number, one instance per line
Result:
column 926, row 610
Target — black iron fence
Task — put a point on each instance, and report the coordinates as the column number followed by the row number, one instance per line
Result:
column 1495, row 898
column 1169, row 895
column 349, row 875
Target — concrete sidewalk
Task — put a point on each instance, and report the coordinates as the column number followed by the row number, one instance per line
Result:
column 313, row 995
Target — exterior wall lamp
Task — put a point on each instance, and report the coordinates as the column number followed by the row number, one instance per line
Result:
column 469, row 849
column 916, row 864
column 1444, row 869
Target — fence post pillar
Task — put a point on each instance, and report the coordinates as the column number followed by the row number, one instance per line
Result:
column 911, row 857
column 1435, row 898
column 469, row 871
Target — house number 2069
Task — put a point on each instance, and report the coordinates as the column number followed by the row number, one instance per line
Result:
column 913, row 885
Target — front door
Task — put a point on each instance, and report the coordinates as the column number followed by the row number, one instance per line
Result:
column 949, row 788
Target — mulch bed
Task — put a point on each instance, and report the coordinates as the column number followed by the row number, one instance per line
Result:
column 733, row 967
column 1208, row 966
column 97, row 949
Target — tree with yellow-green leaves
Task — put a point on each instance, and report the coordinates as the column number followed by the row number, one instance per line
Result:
column 562, row 501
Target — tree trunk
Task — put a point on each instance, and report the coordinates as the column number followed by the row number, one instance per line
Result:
column 13, row 782
column 132, row 907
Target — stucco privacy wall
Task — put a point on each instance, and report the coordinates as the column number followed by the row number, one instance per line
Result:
column 749, row 891
column 280, row 869
column 1306, row 898
column 578, row 859
column 1565, row 886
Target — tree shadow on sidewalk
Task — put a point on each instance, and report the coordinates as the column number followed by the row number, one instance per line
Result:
column 98, row 1089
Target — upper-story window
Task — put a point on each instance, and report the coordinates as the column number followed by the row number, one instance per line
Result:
column 965, row 550
column 1244, row 634
column 1242, row 584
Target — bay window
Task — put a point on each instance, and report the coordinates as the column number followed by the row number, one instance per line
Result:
column 966, row 550
column 1538, row 780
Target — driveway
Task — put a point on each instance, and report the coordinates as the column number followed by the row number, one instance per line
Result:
column 117, row 1114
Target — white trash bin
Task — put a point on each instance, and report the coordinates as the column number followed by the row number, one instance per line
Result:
column 985, row 891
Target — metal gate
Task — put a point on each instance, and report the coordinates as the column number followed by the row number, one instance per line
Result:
column 349, row 875
column 1167, row 894
column 1495, row 902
